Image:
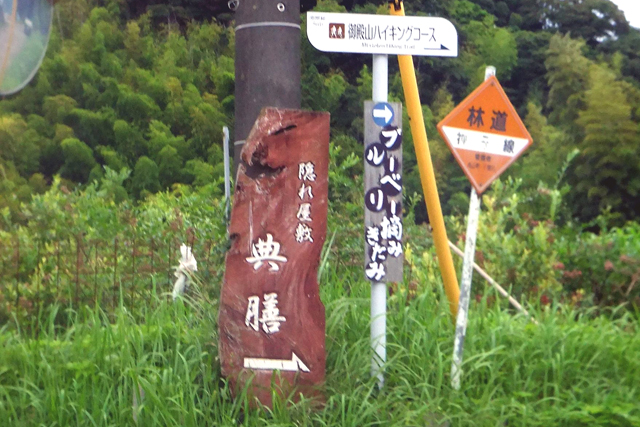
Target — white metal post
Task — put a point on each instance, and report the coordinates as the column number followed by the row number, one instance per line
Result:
column 380, row 78
column 465, row 288
column 379, row 290
column 467, row 275
column 227, row 178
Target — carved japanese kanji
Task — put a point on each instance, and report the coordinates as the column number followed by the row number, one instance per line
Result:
column 271, row 318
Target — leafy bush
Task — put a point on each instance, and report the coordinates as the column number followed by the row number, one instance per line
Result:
column 519, row 252
column 521, row 246
column 602, row 269
column 93, row 247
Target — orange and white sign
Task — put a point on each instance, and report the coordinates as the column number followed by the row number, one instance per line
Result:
column 485, row 134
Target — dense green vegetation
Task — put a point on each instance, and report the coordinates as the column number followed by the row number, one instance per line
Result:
column 66, row 363
column 574, row 368
column 148, row 87
column 90, row 247
column 112, row 157
column 132, row 98
column 122, row 94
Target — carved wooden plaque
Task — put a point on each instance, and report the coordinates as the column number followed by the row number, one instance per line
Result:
column 271, row 321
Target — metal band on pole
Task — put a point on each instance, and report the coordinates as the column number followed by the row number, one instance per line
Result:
column 267, row 24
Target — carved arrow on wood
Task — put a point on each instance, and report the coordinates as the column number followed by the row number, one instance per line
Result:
column 294, row 365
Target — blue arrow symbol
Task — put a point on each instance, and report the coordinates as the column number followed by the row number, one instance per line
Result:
column 382, row 114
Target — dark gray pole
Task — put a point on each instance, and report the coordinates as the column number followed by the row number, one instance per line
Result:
column 267, row 61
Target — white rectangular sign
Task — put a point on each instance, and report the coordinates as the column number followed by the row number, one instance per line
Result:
column 484, row 142
column 382, row 34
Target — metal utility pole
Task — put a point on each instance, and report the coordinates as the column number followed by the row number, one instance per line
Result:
column 267, row 61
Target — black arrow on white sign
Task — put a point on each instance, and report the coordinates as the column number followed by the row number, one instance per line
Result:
column 442, row 47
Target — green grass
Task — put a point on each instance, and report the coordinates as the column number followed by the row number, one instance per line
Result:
column 571, row 370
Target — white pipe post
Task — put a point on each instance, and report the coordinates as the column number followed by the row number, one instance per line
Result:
column 489, row 72
column 467, row 275
column 379, row 290
column 227, row 174
column 465, row 288
column 380, row 77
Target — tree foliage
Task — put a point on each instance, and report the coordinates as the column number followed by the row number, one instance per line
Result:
column 149, row 85
column 607, row 175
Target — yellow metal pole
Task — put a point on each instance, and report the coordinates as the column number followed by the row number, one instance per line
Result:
column 427, row 176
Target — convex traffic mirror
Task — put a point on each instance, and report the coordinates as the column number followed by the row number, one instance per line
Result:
column 25, row 26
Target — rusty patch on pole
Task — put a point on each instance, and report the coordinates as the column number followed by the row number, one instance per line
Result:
column 271, row 321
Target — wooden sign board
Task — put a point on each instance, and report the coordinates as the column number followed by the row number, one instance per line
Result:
column 271, row 321
column 383, row 191
column 485, row 134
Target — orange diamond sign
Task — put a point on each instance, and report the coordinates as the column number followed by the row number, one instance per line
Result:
column 485, row 134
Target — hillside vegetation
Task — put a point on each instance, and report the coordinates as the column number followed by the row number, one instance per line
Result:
column 111, row 158
column 148, row 87
column 132, row 97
